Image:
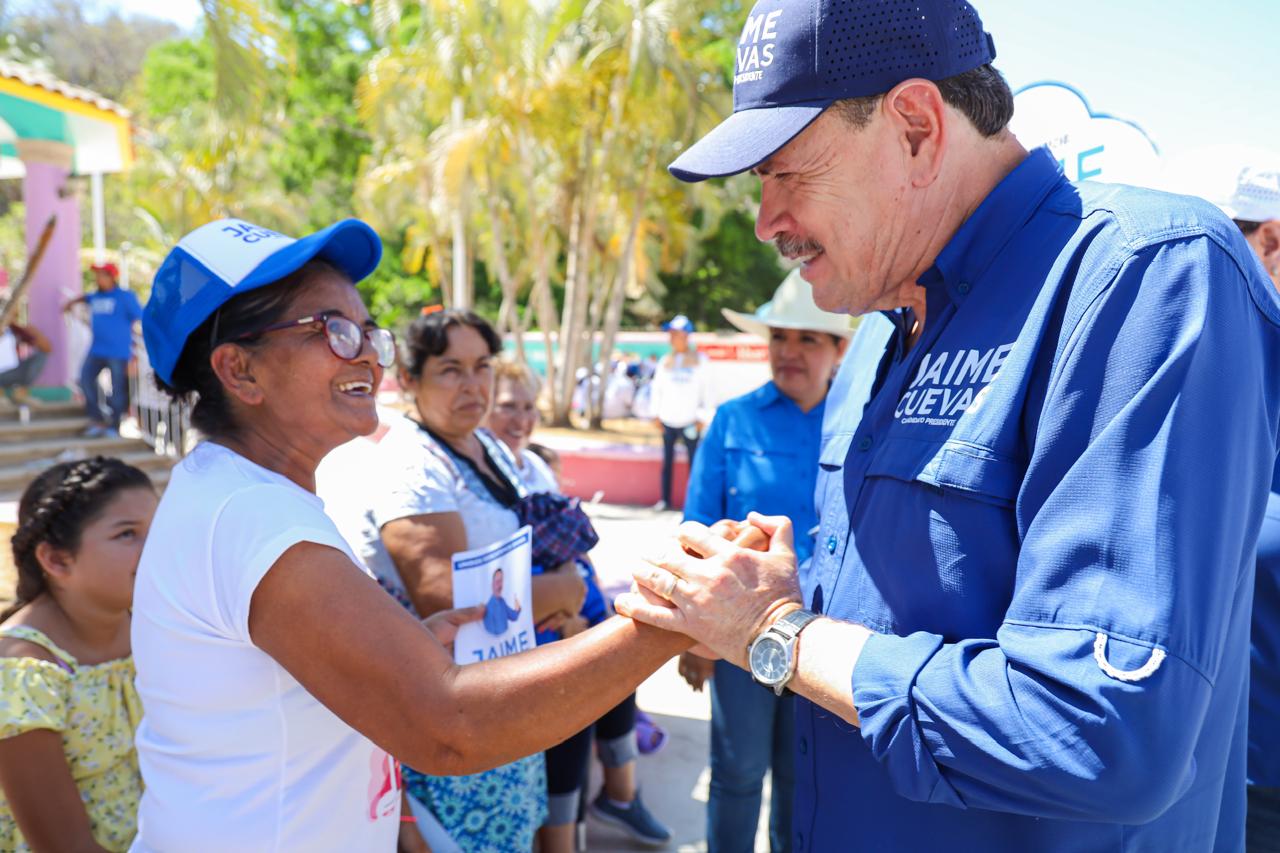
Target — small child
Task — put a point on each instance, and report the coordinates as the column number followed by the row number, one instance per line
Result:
column 69, row 776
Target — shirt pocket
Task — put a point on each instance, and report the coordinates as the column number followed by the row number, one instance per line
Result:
column 754, row 469
column 938, row 536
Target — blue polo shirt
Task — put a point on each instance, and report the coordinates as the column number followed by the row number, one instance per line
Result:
column 1049, row 516
column 114, row 313
column 760, row 453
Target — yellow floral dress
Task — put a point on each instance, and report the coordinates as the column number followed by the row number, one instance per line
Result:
column 96, row 710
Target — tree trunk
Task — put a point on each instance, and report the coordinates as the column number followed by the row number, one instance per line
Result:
column 507, row 319
column 577, row 291
column 617, row 299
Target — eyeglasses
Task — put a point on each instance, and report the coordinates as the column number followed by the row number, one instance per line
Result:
column 346, row 338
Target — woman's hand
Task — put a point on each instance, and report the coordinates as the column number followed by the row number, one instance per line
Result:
column 410, row 840
column 444, row 625
column 573, row 626
column 562, row 589
column 696, row 669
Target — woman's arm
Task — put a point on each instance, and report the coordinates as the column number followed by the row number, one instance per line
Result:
column 42, row 795
column 382, row 672
column 422, row 548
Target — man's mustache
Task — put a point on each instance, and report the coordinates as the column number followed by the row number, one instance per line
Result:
column 791, row 247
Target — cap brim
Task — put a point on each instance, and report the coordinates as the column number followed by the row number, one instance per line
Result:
column 744, row 140
column 350, row 245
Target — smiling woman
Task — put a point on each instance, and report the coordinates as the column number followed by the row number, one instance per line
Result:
column 277, row 680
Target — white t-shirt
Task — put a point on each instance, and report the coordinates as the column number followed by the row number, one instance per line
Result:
column 680, row 395
column 235, row 753
column 537, row 474
column 398, row 473
column 8, row 350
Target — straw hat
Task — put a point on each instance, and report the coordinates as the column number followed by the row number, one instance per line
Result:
column 792, row 307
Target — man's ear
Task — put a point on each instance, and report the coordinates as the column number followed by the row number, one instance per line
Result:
column 916, row 110
column 1267, row 240
column 232, row 364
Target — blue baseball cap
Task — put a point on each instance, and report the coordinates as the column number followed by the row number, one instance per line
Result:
column 228, row 257
column 678, row 323
column 795, row 58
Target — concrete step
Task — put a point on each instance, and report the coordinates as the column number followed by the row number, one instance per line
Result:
column 48, row 449
column 15, row 477
column 40, row 410
column 13, row 432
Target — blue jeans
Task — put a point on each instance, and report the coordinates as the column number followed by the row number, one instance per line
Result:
column 93, row 366
column 751, row 730
column 24, row 375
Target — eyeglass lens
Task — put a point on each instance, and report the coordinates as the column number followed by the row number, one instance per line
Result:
column 346, row 339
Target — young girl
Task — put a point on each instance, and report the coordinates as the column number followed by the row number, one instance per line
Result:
column 69, row 775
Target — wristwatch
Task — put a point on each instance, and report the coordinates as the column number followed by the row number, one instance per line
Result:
column 773, row 654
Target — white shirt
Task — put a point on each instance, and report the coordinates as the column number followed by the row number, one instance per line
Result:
column 680, row 396
column 398, row 473
column 8, row 350
column 537, row 474
column 235, row 753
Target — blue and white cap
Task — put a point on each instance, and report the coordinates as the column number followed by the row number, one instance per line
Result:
column 795, row 58
column 228, row 257
column 678, row 323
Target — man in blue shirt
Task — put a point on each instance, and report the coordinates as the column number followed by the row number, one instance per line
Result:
column 1033, row 631
column 1251, row 197
column 761, row 452
column 114, row 313
column 497, row 613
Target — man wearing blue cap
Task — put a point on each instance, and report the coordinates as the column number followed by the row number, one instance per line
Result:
column 678, row 400
column 1026, row 626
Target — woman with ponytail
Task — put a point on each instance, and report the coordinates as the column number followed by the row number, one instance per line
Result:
column 69, row 775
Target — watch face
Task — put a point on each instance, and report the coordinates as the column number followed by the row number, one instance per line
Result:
column 769, row 660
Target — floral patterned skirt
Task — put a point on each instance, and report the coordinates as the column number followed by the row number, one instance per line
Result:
column 497, row 811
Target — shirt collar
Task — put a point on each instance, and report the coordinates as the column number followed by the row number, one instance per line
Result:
column 990, row 227
column 767, row 395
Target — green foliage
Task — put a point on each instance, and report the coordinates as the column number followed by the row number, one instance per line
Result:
column 176, row 78
column 102, row 54
column 296, row 113
column 735, row 271
column 322, row 142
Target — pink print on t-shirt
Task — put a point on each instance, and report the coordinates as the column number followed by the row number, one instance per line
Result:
column 384, row 785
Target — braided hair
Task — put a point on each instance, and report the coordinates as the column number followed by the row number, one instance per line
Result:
column 56, row 508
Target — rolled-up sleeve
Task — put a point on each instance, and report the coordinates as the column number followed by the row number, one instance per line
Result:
column 1144, row 490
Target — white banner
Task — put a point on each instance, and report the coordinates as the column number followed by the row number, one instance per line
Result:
column 498, row 576
column 1088, row 145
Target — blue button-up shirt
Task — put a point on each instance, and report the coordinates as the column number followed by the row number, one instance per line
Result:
column 1264, row 684
column 1049, row 513
column 760, row 453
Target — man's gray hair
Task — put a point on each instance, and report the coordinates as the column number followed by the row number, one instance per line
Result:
column 982, row 95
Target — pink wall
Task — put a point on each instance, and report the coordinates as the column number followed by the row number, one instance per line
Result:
column 58, row 277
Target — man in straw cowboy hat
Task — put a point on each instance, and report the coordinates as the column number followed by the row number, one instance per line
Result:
column 761, row 453
column 1032, row 628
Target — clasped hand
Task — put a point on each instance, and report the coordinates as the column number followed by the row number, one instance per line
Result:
column 717, row 592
